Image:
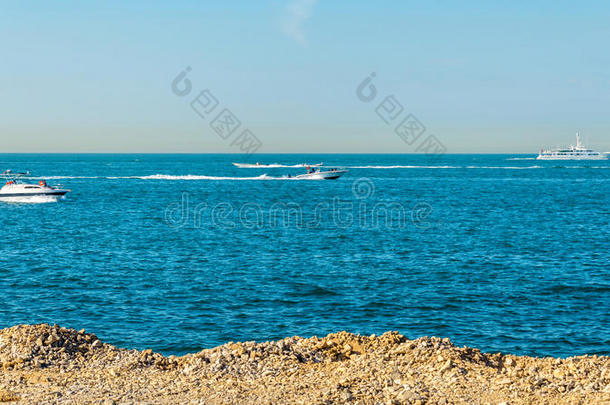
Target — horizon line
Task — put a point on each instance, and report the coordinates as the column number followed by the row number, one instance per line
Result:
column 262, row 154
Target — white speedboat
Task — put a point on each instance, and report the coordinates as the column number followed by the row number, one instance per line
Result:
column 322, row 175
column 261, row 165
column 10, row 173
column 578, row 152
column 16, row 189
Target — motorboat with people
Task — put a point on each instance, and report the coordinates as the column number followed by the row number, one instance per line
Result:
column 10, row 173
column 314, row 173
column 272, row 165
column 578, row 152
column 15, row 188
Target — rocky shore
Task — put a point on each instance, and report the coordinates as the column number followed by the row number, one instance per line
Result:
column 51, row 364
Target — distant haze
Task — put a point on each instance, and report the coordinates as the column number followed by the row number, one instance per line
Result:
column 482, row 77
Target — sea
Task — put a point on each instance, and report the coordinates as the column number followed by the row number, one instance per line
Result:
column 177, row 253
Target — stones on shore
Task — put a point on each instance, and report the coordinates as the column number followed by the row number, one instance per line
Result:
column 7, row 396
column 36, row 346
column 339, row 368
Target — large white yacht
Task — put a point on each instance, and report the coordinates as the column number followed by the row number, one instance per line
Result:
column 14, row 189
column 578, row 152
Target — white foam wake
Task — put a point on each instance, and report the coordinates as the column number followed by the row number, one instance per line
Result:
column 505, row 167
column 562, row 166
column 65, row 177
column 196, row 177
column 187, row 177
column 274, row 166
column 445, row 167
column 37, row 199
column 192, row 177
column 402, row 167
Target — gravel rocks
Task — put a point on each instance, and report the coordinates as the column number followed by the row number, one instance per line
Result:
column 43, row 363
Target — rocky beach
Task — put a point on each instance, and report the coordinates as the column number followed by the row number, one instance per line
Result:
column 52, row 364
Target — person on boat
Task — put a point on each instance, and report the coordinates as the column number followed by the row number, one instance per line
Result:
column 42, row 183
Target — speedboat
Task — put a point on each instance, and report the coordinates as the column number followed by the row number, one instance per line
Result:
column 250, row 165
column 322, row 175
column 258, row 164
column 578, row 152
column 16, row 189
column 10, row 173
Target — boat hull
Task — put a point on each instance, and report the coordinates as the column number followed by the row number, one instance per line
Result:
column 56, row 193
column 330, row 175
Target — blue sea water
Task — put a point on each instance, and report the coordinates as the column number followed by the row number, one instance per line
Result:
column 182, row 252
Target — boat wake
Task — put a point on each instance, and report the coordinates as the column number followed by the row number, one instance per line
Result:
column 65, row 177
column 505, row 167
column 445, row 167
column 39, row 199
column 402, row 167
column 188, row 177
column 196, row 177
column 192, row 177
column 478, row 167
column 276, row 165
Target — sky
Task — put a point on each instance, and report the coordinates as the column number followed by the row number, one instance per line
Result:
column 481, row 76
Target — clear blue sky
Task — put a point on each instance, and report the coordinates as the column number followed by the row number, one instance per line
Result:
column 483, row 76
